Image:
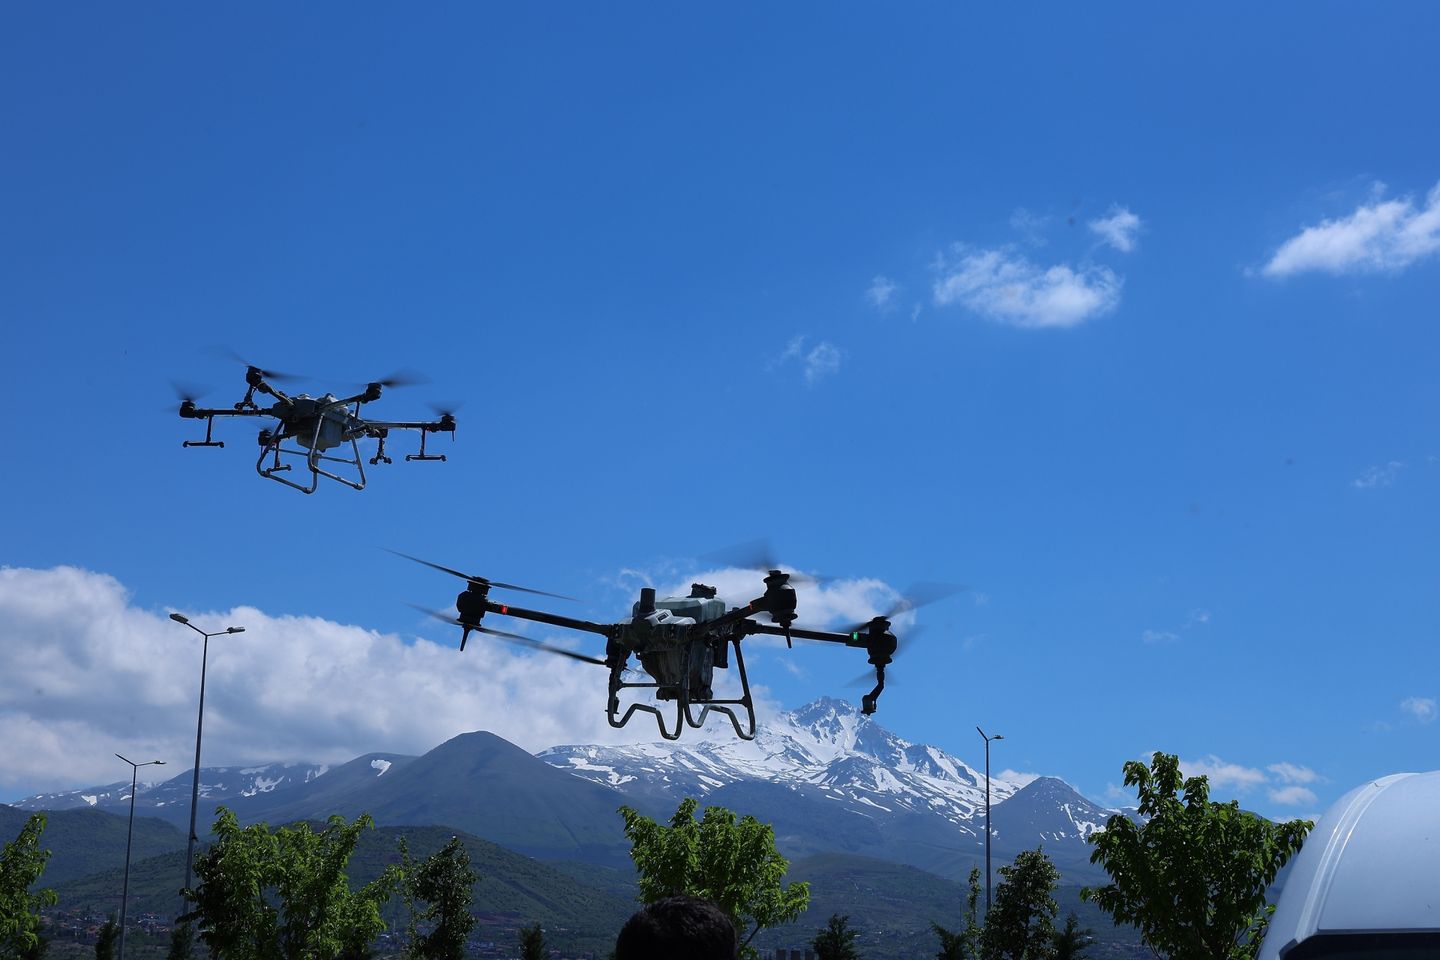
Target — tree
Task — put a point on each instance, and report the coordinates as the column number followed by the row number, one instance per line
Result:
column 1070, row 942
column 182, row 942
column 21, row 864
column 965, row 943
column 1020, row 924
column 1192, row 874
column 445, row 883
column 532, row 942
column 105, row 940
column 732, row 864
column 836, row 941
column 284, row 895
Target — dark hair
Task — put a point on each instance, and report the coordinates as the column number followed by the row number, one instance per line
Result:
column 677, row 928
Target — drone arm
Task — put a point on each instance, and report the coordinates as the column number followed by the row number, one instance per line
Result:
column 606, row 630
column 772, row 630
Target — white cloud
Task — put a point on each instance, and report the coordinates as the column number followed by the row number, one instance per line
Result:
column 1380, row 476
column 1003, row 286
column 1119, row 229
column 84, row 675
column 1017, row 777
column 1197, row 618
column 1293, row 773
column 1159, row 636
column 1029, row 225
column 1292, row 796
column 820, row 361
column 881, row 293
column 1223, row 775
column 1422, row 709
column 1383, row 237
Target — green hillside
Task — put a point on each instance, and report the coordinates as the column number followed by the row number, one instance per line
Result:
column 82, row 842
column 513, row 890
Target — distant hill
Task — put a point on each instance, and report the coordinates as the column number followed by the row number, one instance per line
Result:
column 84, row 841
column 513, row 890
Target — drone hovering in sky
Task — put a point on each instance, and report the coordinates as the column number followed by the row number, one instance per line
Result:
column 317, row 426
column 681, row 641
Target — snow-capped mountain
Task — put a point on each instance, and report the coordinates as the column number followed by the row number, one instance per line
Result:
column 827, row 746
column 216, row 784
column 831, row 778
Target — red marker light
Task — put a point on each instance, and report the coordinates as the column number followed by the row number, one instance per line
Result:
column 504, row 608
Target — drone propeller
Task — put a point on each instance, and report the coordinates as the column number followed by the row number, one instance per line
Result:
column 275, row 375
column 759, row 555
column 404, row 377
column 507, row 636
column 479, row 581
column 919, row 595
column 867, row 679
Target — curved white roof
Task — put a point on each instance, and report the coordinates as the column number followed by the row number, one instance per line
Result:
column 1371, row 864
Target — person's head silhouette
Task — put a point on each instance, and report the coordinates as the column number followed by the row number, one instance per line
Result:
column 677, row 928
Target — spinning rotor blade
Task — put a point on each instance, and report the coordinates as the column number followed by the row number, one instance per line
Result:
column 403, row 377
column 919, row 595
column 478, row 580
column 185, row 390
column 275, row 375
column 510, row 637
column 759, row 555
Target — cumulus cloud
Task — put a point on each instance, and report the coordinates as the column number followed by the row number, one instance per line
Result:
column 816, row 363
column 1017, row 777
column 1003, row 286
column 1119, row 229
column 1385, row 236
column 1292, row 796
column 1223, row 775
column 1159, row 636
column 84, row 674
column 1293, row 773
column 881, row 293
column 1378, row 476
column 1422, row 709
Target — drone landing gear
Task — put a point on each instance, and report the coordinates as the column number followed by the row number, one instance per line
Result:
column 270, row 446
column 418, row 456
column 680, row 693
column 207, row 442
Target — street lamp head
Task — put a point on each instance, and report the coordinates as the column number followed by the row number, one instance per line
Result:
column 998, row 736
column 179, row 618
column 234, row 629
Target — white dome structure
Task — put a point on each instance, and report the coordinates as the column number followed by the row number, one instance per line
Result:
column 1367, row 882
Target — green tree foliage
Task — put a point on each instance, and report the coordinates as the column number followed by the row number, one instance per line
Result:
column 1192, row 876
column 836, row 941
column 963, row 944
column 532, row 942
column 182, row 942
column 1072, row 939
column 732, row 864
column 445, row 884
column 284, row 895
column 21, row 864
column 1020, row 924
column 106, row 939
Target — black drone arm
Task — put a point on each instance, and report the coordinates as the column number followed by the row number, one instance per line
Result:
column 849, row 639
column 606, row 630
column 189, row 411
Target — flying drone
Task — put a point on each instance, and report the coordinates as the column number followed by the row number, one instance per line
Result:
column 681, row 641
column 319, row 428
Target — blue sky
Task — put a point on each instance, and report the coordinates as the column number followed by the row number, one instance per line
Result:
column 1123, row 318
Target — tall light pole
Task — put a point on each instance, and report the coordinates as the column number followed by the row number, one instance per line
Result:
column 125, row 889
column 199, row 726
column 998, row 736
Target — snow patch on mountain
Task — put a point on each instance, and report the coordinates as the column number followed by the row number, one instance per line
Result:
column 828, row 747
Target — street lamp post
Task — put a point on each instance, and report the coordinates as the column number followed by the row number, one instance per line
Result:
column 125, row 888
column 998, row 736
column 199, row 726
